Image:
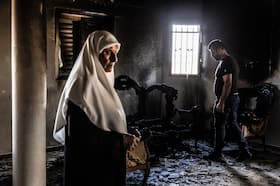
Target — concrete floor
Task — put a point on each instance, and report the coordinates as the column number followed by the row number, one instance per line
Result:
column 184, row 167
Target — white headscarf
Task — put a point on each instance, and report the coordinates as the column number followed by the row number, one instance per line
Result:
column 92, row 89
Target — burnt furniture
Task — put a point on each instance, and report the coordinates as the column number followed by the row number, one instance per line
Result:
column 124, row 82
column 256, row 104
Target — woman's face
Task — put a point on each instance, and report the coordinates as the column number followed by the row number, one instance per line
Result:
column 108, row 58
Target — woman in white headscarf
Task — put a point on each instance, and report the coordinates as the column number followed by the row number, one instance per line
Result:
column 90, row 119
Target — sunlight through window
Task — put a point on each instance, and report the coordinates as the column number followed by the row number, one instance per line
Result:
column 185, row 49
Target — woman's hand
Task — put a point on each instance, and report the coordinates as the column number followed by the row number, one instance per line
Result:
column 130, row 141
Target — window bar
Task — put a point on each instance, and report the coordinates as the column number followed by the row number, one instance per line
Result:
column 192, row 50
column 173, row 50
column 197, row 51
column 197, row 48
column 176, row 50
column 181, row 49
column 187, row 50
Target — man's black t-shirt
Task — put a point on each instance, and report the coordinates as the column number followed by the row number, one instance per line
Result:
column 227, row 66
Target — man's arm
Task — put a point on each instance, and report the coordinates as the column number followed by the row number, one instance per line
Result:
column 227, row 78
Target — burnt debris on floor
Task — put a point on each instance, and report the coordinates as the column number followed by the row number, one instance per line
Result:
column 182, row 167
column 189, row 168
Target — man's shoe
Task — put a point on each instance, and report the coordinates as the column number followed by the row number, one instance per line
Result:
column 244, row 155
column 215, row 157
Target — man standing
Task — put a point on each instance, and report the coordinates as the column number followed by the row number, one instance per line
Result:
column 227, row 100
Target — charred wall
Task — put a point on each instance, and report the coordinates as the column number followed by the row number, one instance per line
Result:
column 250, row 29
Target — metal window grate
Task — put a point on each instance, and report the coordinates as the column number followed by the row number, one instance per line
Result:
column 185, row 49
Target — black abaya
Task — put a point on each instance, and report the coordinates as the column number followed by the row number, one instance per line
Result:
column 93, row 157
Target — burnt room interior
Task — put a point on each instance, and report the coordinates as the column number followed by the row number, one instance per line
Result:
column 40, row 41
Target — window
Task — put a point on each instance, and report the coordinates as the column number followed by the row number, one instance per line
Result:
column 185, row 49
column 72, row 29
